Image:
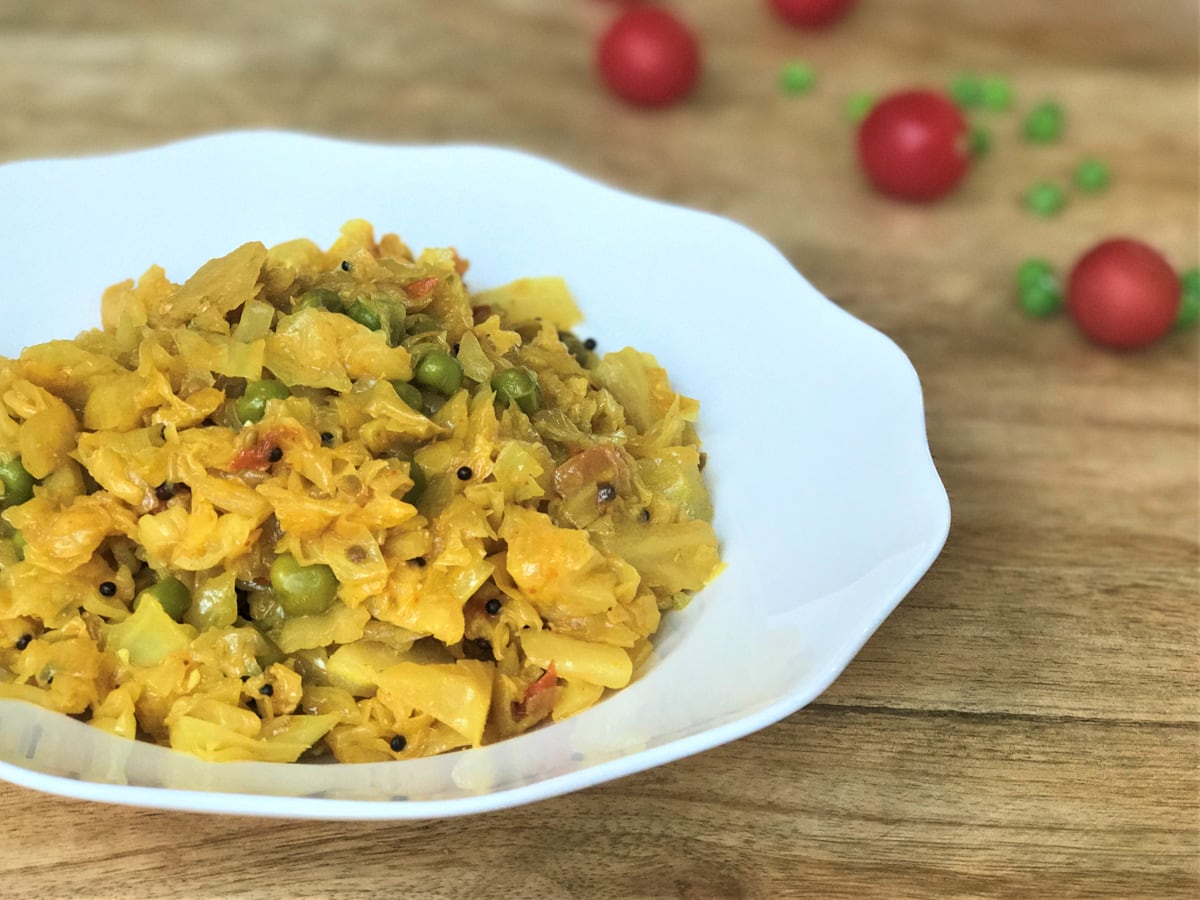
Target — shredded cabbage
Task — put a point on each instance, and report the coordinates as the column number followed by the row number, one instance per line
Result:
column 497, row 563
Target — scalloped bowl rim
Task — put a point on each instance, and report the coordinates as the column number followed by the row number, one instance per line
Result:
column 874, row 517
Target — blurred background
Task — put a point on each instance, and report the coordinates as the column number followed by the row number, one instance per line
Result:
column 84, row 77
column 1029, row 717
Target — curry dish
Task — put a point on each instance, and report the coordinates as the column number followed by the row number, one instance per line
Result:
column 329, row 502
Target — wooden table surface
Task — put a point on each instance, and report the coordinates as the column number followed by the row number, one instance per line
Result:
column 1027, row 722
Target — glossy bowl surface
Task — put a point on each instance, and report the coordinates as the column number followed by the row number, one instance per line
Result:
column 828, row 505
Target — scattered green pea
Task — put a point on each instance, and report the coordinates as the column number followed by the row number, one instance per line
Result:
column 967, row 90
column 439, row 371
column 516, row 386
column 18, row 483
column 1034, row 271
column 1044, row 123
column 252, row 405
column 172, row 595
column 364, row 314
column 409, row 394
column 1038, row 290
column 19, row 543
column 318, row 298
column 1189, row 301
column 1092, row 176
column 996, row 93
column 1040, row 301
column 797, row 77
column 1045, row 199
column 302, row 590
column 859, row 106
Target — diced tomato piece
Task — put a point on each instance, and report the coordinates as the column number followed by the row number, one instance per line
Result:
column 539, row 697
column 421, row 288
column 256, row 457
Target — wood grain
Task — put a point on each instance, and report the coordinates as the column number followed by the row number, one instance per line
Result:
column 1028, row 722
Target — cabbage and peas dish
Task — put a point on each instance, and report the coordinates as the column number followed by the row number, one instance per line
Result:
column 328, row 503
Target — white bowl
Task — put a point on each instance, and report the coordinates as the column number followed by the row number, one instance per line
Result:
column 828, row 504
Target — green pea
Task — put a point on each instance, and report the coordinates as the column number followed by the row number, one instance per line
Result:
column 439, row 371
column 516, row 386
column 1041, row 300
column 302, row 590
column 859, row 106
column 318, row 298
column 417, row 474
column 1189, row 302
column 996, row 93
column 172, row 595
column 409, row 394
column 18, row 483
column 1044, row 122
column 1045, row 199
column 364, row 314
column 967, row 90
column 1092, row 176
column 1038, row 289
column 1034, row 272
column 797, row 78
column 252, row 405
column 19, row 543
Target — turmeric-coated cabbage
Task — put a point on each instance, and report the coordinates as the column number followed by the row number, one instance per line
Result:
column 330, row 503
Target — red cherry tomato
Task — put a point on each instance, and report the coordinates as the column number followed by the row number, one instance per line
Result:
column 811, row 13
column 648, row 56
column 914, row 145
column 1123, row 294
